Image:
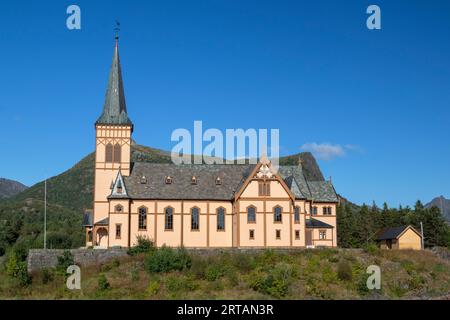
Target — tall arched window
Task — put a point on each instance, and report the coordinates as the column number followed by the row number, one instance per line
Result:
column 117, row 153
column 142, row 218
column 109, row 153
column 169, row 218
column 277, row 217
column 221, row 219
column 297, row 214
column 251, row 214
column 195, row 224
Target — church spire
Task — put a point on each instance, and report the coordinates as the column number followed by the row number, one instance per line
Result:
column 115, row 109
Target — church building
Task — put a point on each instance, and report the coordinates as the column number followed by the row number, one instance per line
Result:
column 198, row 206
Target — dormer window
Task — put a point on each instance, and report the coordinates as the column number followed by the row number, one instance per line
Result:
column 119, row 187
column 218, row 181
column 169, row 180
column 143, row 180
column 194, row 180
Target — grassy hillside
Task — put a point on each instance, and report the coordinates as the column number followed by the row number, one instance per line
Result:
column 306, row 274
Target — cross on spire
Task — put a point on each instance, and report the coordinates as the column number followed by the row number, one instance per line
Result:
column 117, row 30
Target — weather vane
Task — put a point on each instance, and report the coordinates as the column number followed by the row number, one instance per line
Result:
column 117, row 29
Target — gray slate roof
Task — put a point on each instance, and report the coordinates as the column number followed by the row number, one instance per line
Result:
column 392, row 233
column 232, row 177
column 314, row 223
column 115, row 109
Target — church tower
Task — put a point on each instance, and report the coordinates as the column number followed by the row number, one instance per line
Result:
column 113, row 131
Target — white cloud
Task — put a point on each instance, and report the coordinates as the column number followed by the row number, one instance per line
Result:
column 328, row 151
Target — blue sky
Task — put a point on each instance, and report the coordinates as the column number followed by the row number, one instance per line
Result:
column 375, row 104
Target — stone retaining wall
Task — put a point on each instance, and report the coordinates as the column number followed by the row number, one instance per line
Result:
column 39, row 258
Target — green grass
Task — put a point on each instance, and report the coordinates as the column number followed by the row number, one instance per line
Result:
column 321, row 274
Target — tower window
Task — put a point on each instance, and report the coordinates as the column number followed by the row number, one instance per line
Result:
column 117, row 153
column 109, row 153
column 252, row 234
column 278, row 234
column 143, row 218
column 297, row 234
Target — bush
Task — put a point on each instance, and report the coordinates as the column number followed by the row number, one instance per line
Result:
column 214, row 272
column 64, row 262
column 344, row 271
column 103, row 283
column 176, row 283
column 371, row 248
column 167, row 259
column 275, row 282
column 144, row 245
column 47, row 275
column 153, row 288
column 18, row 270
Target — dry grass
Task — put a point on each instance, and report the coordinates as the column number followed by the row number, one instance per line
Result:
column 267, row 275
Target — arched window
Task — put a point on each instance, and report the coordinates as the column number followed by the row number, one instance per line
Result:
column 118, row 209
column 142, row 218
column 297, row 214
column 109, row 153
column 117, row 153
column 169, row 218
column 195, row 224
column 277, row 217
column 89, row 236
column 251, row 214
column 221, row 219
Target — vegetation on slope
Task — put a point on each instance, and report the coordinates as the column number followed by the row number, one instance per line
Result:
column 306, row 274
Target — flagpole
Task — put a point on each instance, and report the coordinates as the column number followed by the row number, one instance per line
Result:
column 45, row 214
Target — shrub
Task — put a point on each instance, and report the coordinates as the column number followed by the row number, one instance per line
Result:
column 18, row 270
column 214, row 272
column 47, row 275
column 153, row 288
column 167, row 259
column 371, row 248
column 64, row 262
column 344, row 271
column 176, row 283
column 103, row 283
column 144, row 245
column 275, row 282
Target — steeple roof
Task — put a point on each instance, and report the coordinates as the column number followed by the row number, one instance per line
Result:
column 115, row 109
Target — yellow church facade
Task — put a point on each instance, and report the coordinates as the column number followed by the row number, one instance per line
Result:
column 198, row 206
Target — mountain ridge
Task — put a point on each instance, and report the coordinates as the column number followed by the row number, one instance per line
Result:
column 10, row 188
column 442, row 204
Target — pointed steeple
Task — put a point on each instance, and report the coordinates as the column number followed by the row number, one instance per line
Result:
column 115, row 109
